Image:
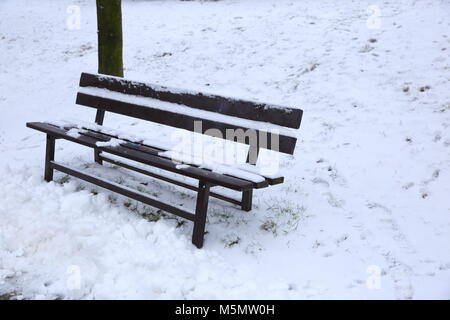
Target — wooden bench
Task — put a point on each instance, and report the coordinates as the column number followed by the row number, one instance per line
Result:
column 179, row 109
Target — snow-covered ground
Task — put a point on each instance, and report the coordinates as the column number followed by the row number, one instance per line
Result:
column 365, row 209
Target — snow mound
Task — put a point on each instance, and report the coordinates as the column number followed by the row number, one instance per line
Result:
column 53, row 234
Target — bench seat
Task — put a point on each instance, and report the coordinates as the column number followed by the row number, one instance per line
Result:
column 145, row 156
column 157, row 157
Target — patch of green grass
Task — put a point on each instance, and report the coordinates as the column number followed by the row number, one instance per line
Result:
column 270, row 226
column 64, row 179
column 231, row 241
column 8, row 296
column 285, row 217
column 119, row 180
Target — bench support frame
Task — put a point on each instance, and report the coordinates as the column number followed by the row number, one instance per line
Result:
column 99, row 117
column 49, row 157
column 246, row 203
column 246, row 196
column 200, row 214
column 203, row 192
column 172, row 117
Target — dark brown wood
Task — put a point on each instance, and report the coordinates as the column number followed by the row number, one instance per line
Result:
column 97, row 157
column 99, row 117
column 200, row 214
column 145, row 158
column 284, row 116
column 274, row 181
column 286, row 144
column 49, row 156
column 247, row 197
column 122, row 190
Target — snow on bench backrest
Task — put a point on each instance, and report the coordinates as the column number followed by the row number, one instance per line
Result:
column 193, row 111
column 283, row 116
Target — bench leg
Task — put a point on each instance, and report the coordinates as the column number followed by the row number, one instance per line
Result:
column 99, row 117
column 49, row 156
column 97, row 156
column 247, row 197
column 200, row 214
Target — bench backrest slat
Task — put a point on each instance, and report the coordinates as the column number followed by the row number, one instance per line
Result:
column 181, row 109
column 283, row 116
column 182, row 121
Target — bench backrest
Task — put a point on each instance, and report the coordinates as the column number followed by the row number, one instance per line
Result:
column 182, row 108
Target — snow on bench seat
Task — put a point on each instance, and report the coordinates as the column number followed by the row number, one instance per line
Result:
column 241, row 170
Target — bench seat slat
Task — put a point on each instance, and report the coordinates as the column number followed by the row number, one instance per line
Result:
column 159, row 162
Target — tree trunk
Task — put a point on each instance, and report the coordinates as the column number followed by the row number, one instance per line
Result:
column 109, row 24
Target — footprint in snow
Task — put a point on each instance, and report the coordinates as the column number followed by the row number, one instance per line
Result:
column 321, row 182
